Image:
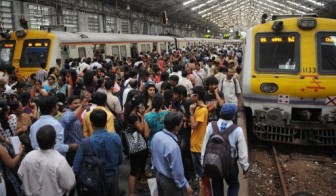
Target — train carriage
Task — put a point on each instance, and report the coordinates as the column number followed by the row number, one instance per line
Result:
column 289, row 76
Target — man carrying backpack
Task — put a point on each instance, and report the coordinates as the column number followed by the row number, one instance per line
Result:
column 97, row 160
column 223, row 145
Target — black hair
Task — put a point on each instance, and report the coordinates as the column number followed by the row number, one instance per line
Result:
column 181, row 90
column 108, row 84
column 172, row 120
column 199, row 90
column 47, row 104
column 61, row 97
column 46, row 137
column 51, row 70
column 165, row 86
column 100, row 82
column 211, row 81
column 3, row 111
column 184, row 73
column 25, row 98
column 13, row 105
column 168, row 98
column 98, row 118
column 174, row 78
column 134, row 100
column 164, row 76
column 43, row 65
column 144, row 73
column 72, row 98
column 175, row 68
column 157, row 102
column 100, row 98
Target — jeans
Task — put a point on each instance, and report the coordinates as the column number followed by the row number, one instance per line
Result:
column 232, row 181
column 196, row 158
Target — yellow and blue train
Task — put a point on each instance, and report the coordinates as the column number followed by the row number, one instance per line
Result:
column 289, row 80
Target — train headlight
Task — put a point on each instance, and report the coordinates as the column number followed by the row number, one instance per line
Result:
column 277, row 26
column 21, row 33
column 307, row 23
column 268, row 87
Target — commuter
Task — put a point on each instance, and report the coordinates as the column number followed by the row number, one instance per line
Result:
column 42, row 74
column 185, row 82
column 100, row 100
column 166, row 158
column 48, row 109
column 198, row 122
column 214, row 98
column 238, row 151
column 148, row 94
column 231, row 89
column 135, row 121
column 106, row 146
column 199, row 75
column 45, row 171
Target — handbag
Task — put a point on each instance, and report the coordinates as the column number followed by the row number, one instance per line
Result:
column 133, row 142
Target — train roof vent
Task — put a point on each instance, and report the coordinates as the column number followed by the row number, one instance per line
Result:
column 276, row 17
column 83, row 36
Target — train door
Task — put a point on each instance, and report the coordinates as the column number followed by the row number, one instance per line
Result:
column 65, row 53
column 123, row 52
column 155, row 46
column 134, row 50
column 115, row 52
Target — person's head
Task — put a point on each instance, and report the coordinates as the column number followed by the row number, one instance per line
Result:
column 46, row 137
column 173, row 80
column 230, row 73
column 43, row 65
column 197, row 94
column 3, row 110
column 197, row 66
column 164, row 76
column 48, row 105
column 144, row 75
column 73, row 102
column 16, row 107
column 133, row 83
column 173, row 121
column 100, row 98
column 150, row 90
column 51, row 80
column 59, row 62
column 109, row 84
column 180, row 92
column 52, row 70
column 228, row 111
column 98, row 118
column 61, row 80
column 157, row 102
column 211, row 83
column 165, row 86
column 12, row 78
column 239, row 69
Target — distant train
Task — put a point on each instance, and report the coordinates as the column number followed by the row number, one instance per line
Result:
column 289, row 80
column 26, row 49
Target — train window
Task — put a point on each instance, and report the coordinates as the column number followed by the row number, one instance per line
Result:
column 35, row 51
column 277, row 52
column 162, row 47
column 123, row 52
column 81, row 52
column 6, row 52
column 326, row 50
column 143, row 48
column 148, row 48
column 115, row 51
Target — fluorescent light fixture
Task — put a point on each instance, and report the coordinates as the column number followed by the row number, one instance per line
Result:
column 316, row 3
column 188, row 2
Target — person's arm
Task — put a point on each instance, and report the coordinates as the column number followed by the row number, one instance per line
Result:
column 66, row 176
column 78, row 159
column 43, row 92
column 8, row 160
column 175, row 165
column 207, row 135
column 242, row 151
column 193, row 123
column 60, row 146
column 219, row 99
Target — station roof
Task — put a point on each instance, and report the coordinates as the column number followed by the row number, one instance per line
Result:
column 219, row 15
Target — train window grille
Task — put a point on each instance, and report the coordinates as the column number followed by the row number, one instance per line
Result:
column 6, row 14
column 326, row 50
column 39, row 15
column 70, row 18
column 93, row 23
column 278, row 53
column 110, row 24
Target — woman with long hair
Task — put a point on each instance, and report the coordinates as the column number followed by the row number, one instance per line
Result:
column 148, row 94
column 134, row 113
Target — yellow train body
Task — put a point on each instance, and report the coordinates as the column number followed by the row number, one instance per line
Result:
column 289, row 76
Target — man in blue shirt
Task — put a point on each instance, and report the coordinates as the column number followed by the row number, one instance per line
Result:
column 107, row 147
column 48, row 108
column 73, row 130
column 166, row 158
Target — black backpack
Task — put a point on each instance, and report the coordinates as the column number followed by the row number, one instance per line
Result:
column 91, row 179
column 217, row 158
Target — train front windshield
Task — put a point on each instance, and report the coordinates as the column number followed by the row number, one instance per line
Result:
column 277, row 52
column 6, row 52
column 326, row 52
column 34, row 53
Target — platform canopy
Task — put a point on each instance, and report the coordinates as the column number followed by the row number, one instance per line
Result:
column 225, row 14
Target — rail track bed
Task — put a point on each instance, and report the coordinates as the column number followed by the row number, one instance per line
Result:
column 306, row 169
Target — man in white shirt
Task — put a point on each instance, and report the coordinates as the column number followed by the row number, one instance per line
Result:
column 46, row 171
column 95, row 65
column 199, row 75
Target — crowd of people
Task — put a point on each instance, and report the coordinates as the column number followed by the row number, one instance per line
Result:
column 169, row 98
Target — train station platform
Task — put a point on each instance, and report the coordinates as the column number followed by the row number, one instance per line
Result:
column 244, row 190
